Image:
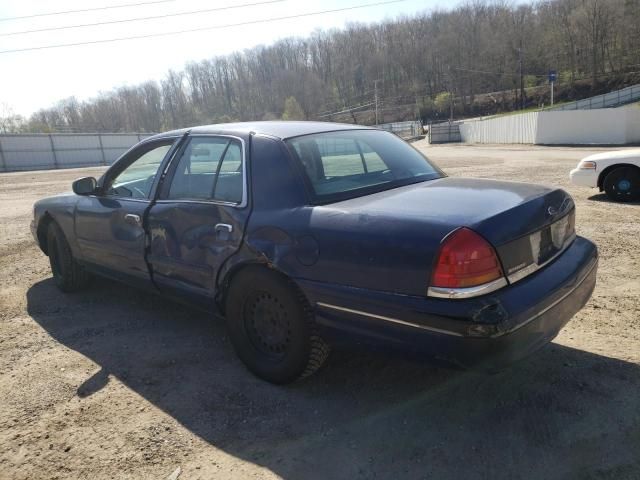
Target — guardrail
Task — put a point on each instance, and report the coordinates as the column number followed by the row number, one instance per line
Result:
column 43, row 151
column 607, row 100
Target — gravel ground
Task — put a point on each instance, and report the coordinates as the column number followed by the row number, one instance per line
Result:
column 115, row 383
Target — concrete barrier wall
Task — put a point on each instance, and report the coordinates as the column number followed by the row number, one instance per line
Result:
column 44, row 151
column 605, row 126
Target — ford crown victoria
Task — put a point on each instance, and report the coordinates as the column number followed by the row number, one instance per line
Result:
column 303, row 233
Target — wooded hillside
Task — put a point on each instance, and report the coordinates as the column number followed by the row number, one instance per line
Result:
column 418, row 63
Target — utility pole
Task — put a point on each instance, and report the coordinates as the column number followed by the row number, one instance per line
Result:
column 375, row 89
column 450, row 89
column 450, row 105
column 521, row 79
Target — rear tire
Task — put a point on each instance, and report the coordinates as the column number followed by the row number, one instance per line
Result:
column 623, row 184
column 272, row 328
column 67, row 273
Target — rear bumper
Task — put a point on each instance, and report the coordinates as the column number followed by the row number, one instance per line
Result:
column 488, row 332
column 584, row 178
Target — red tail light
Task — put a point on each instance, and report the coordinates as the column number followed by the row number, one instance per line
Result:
column 465, row 260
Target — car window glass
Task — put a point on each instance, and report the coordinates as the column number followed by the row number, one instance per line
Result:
column 136, row 180
column 228, row 188
column 371, row 159
column 341, row 164
column 210, row 168
column 340, row 157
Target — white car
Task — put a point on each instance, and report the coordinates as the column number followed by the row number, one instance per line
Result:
column 617, row 173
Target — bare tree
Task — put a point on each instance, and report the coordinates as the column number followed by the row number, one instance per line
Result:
column 483, row 54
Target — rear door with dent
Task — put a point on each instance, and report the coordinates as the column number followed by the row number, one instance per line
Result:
column 199, row 217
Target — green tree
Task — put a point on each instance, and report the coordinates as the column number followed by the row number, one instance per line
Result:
column 443, row 102
column 292, row 110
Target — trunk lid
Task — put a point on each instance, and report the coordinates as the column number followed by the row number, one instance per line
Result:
column 528, row 224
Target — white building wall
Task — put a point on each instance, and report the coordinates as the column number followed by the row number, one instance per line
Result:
column 633, row 123
column 582, row 127
column 609, row 126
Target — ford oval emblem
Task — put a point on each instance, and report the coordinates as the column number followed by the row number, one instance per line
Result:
column 552, row 211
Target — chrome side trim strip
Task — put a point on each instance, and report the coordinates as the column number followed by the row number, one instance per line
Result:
column 388, row 319
column 457, row 293
column 201, row 202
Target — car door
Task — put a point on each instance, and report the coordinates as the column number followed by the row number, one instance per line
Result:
column 109, row 225
column 198, row 220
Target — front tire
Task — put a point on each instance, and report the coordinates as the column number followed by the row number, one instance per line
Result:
column 623, row 184
column 272, row 328
column 68, row 275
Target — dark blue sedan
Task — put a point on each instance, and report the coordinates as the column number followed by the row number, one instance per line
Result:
column 301, row 233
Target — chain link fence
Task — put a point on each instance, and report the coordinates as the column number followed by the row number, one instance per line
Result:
column 409, row 129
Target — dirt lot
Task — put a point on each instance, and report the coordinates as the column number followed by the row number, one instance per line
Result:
column 114, row 383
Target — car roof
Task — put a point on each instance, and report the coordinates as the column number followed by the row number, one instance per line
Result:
column 281, row 129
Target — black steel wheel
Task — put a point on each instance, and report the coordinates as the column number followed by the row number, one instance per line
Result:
column 623, row 184
column 266, row 322
column 271, row 326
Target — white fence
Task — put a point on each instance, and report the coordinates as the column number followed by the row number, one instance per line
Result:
column 509, row 129
column 62, row 150
column 610, row 126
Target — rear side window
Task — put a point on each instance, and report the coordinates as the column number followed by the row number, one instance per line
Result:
column 209, row 169
column 350, row 163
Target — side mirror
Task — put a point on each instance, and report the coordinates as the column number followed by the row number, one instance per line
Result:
column 84, row 186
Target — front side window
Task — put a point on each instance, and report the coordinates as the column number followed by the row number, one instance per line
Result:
column 136, row 180
column 350, row 163
column 209, row 169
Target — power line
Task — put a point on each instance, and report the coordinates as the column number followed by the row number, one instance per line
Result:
column 361, row 98
column 7, row 19
column 347, row 110
column 386, row 100
column 500, row 73
column 138, row 19
column 201, row 29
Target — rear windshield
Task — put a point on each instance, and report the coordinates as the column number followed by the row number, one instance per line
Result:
column 347, row 164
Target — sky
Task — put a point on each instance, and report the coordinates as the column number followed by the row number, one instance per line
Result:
column 30, row 80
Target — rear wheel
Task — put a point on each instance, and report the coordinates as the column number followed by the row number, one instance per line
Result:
column 67, row 273
column 272, row 328
column 623, row 184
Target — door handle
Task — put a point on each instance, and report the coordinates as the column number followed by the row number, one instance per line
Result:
column 132, row 219
column 223, row 226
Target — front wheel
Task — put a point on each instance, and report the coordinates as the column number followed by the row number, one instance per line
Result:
column 67, row 273
column 623, row 184
column 272, row 328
